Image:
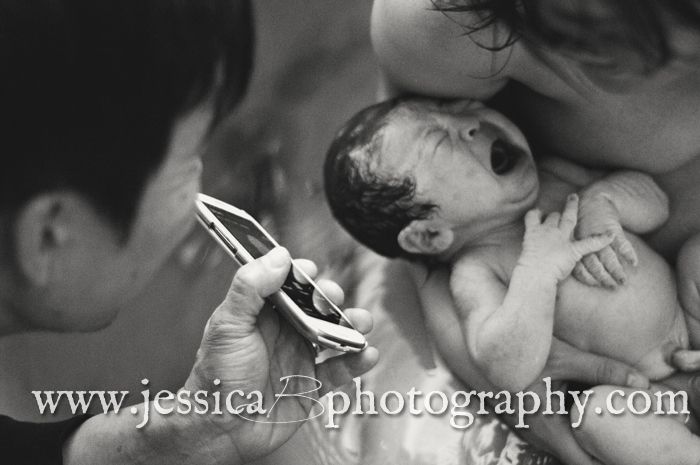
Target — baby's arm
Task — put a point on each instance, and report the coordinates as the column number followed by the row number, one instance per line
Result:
column 627, row 200
column 637, row 203
column 508, row 331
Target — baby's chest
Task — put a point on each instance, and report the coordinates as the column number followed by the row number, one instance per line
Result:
column 621, row 321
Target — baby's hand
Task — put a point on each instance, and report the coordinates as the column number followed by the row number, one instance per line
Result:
column 548, row 247
column 596, row 216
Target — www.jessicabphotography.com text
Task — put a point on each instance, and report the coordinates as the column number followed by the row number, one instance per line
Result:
column 459, row 407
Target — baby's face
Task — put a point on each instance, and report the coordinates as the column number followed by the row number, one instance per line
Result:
column 469, row 160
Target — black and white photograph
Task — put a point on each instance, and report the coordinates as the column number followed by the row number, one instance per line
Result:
column 350, row 232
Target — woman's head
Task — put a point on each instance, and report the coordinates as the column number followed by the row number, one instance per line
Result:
column 603, row 36
column 104, row 105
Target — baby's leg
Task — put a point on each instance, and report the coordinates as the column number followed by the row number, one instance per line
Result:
column 688, row 269
column 631, row 439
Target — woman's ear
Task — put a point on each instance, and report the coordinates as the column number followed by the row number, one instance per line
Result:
column 426, row 237
column 40, row 231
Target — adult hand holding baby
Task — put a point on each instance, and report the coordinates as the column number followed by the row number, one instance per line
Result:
column 553, row 433
column 549, row 247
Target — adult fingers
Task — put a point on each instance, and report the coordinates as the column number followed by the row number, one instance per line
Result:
column 251, row 284
column 595, row 369
column 360, row 318
column 687, row 360
column 332, row 290
column 307, row 266
column 340, row 370
column 567, row 362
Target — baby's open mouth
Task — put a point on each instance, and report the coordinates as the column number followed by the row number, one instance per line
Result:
column 504, row 156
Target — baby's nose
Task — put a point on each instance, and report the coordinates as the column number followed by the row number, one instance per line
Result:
column 469, row 129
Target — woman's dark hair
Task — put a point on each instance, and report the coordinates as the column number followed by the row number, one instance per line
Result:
column 90, row 90
column 591, row 27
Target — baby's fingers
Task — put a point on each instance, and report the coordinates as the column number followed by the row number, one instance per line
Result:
column 570, row 215
column 612, row 264
column 533, row 218
column 552, row 219
column 624, row 248
column 596, row 268
column 582, row 275
column 592, row 244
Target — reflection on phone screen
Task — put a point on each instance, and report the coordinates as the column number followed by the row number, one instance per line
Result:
column 257, row 244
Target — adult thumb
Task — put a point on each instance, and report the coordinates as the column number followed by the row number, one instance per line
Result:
column 251, row 284
column 597, row 370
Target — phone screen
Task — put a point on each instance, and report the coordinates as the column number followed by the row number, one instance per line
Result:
column 258, row 244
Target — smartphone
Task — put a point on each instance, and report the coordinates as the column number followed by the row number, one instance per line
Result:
column 304, row 305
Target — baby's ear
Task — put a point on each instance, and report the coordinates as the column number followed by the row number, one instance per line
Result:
column 426, row 237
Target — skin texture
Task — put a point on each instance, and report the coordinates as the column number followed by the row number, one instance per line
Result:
column 507, row 288
column 478, row 228
column 247, row 347
column 572, row 109
column 567, row 107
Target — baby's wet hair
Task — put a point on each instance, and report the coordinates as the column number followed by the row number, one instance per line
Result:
column 373, row 207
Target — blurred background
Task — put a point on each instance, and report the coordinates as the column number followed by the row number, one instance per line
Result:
column 314, row 69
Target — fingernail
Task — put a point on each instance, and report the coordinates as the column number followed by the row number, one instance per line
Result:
column 278, row 257
column 637, row 380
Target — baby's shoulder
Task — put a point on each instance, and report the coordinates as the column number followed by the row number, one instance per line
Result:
column 482, row 263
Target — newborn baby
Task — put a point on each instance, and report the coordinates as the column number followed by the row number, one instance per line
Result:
column 456, row 183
